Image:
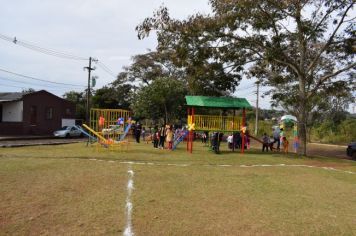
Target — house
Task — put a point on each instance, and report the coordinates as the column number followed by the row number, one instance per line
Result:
column 36, row 113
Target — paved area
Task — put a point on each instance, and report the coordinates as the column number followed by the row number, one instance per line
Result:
column 35, row 142
column 23, row 137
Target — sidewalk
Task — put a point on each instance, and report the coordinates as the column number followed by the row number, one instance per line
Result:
column 35, row 141
column 24, row 137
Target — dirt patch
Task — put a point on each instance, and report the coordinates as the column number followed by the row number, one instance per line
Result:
column 321, row 150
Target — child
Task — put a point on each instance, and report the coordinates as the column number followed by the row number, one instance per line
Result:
column 155, row 137
column 265, row 144
column 271, row 142
column 285, row 145
column 169, row 137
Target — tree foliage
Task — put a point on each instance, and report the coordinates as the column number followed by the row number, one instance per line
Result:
column 113, row 96
column 302, row 48
column 164, row 97
column 79, row 99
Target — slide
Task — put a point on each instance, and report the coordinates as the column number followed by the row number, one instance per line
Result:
column 260, row 141
column 127, row 129
column 99, row 137
column 85, row 133
column 256, row 139
column 180, row 138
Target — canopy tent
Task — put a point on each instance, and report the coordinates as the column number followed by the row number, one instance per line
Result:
column 288, row 119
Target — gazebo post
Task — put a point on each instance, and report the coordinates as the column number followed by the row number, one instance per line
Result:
column 233, row 138
column 192, row 132
column 188, row 113
column 242, row 133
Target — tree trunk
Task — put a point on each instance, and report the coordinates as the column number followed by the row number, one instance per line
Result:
column 302, row 131
column 302, row 118
column 166, row 114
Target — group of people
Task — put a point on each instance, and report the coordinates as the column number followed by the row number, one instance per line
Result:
column 277, row 137
column 166, row 134
column 234, row 141
column 162, row 135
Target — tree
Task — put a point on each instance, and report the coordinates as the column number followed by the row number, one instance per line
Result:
column 29, row 90
column 113, row 96
column 79, row 99
column 303, row 46
column 163, row 97
column 145, row 68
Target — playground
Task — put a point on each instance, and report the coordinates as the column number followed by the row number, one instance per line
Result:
column 75, row 189
column 111, row 185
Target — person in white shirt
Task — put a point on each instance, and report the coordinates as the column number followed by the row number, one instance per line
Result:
column 230, row 139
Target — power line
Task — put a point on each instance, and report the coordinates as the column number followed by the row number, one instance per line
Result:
column 24, row 87
column 52, row 52
column 106, row 69
column 43, row 50
column 34, row 84
column 7, row 85
column 30, row 77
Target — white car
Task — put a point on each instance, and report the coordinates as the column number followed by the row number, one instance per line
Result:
column 67, row 132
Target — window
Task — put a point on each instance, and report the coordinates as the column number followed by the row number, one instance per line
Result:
column 68, row 112
column 49, row 113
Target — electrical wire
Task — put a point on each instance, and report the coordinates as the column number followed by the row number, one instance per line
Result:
column 106, row 69
column 14, row 86
column 52, row 52
column 39, row 49
column 26, row 87
column 33, row 78
column 35, row 84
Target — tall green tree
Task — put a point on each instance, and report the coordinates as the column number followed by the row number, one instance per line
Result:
column 164, row 97
column 145, row 68
column 302, row 46
column 113, row 96
column 79, row 99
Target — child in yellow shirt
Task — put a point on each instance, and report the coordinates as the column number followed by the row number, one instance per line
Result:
column 285, row 145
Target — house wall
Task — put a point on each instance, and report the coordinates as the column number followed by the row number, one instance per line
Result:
column 43, row 100
column 12, row 111
column 11, row 128
column 18, row 118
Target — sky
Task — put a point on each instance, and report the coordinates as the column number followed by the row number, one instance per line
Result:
column 103, row 29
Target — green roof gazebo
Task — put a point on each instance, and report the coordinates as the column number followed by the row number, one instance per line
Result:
column 215, row 122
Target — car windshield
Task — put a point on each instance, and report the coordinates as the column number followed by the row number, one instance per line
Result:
column 64, row 128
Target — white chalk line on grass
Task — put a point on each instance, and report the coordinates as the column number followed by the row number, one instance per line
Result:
column 226, row 165
column 129, row 206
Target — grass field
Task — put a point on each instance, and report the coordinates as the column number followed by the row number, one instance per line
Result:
column 75, row 190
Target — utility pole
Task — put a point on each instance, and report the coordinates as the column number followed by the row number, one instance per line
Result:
column 258, row 95
column 89, row 68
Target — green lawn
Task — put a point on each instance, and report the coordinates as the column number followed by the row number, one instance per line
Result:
column 58, row 190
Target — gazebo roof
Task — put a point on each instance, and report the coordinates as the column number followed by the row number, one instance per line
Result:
column 217, row 102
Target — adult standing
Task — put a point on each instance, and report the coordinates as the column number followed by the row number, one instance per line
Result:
column 138, row 132
column 143, row 133
column 277, row 137
column 162, row 136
